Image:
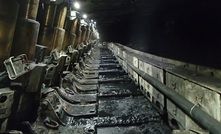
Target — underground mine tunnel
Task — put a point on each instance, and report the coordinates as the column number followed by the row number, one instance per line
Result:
column 110, row 67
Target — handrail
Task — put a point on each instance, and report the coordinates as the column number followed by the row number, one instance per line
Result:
column 195, row 112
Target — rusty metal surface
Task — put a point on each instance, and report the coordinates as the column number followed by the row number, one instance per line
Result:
column 52, row 38
column 25, row 38
column 28, row 9
column 7, row 27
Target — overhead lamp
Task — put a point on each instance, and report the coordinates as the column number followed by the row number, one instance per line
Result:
column 92, row 21
column 84, row 16
column 76, row 5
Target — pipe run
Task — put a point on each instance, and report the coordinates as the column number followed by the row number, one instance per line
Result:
column 189, row 108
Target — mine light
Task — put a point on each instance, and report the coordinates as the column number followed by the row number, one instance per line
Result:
column 76, row 5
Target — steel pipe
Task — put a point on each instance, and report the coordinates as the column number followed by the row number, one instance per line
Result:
column 189, row 108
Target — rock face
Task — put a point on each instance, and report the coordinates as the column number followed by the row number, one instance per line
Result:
column 172, row 29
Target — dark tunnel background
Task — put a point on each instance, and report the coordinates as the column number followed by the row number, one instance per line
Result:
column 184, row 30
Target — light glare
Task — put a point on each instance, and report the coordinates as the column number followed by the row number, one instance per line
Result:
column 84, row 16
column 76, row 5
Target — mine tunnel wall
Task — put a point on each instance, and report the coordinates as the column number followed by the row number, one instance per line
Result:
column 199, row 89
column 186, row 30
